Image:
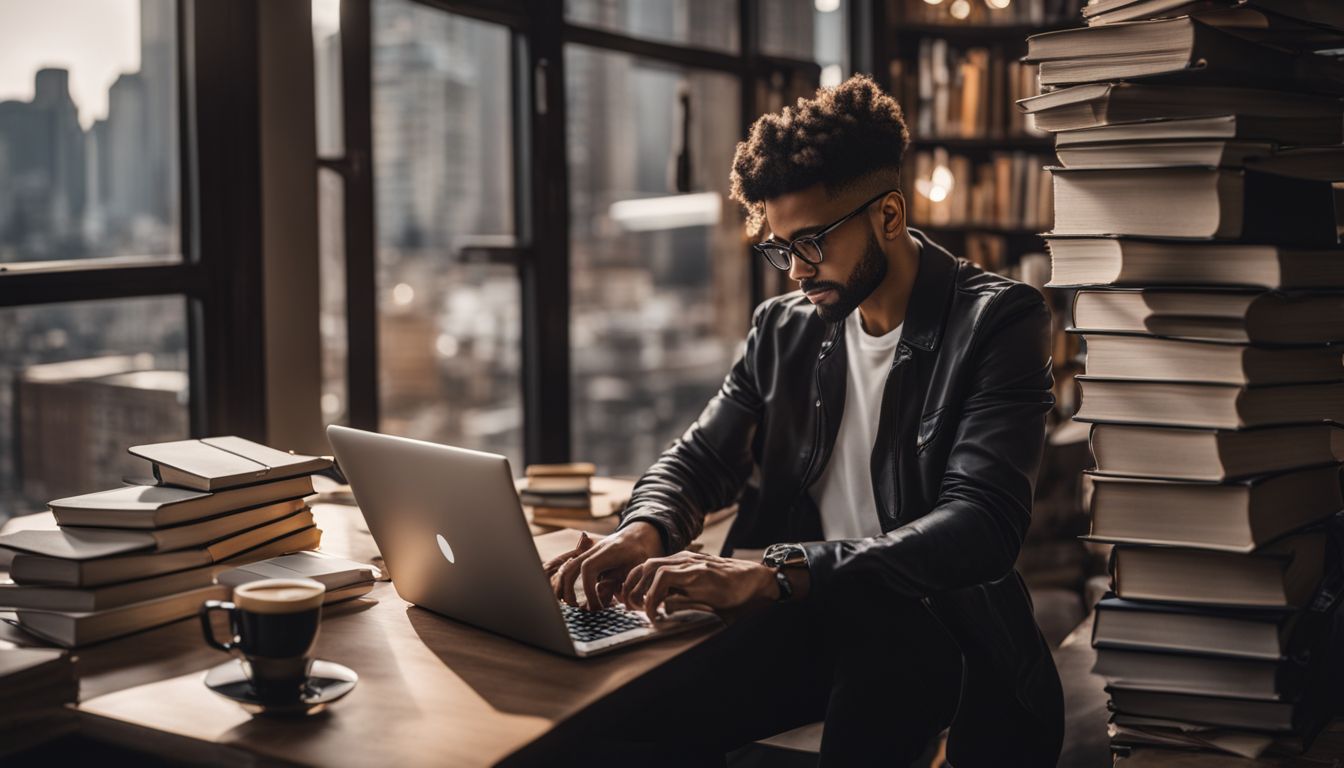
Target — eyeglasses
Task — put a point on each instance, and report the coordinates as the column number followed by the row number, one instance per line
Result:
column 807, row 247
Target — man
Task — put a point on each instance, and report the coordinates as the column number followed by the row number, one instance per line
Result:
column 887, row 458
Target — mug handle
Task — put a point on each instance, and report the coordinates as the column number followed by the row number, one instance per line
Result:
column 208, row 629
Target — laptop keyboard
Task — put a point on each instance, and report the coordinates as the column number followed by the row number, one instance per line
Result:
column 587, row 626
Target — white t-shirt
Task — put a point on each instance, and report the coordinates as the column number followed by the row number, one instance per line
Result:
column 844, row 492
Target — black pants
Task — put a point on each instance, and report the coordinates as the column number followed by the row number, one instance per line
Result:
column 885, row 678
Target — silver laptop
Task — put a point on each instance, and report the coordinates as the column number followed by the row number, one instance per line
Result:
column 454, row 537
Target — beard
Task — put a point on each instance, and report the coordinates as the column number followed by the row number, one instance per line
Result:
column 867, row 275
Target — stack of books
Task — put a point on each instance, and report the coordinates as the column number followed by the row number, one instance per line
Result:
column 35, row 683
column 1195, row 195
column 127, row 559
column 573, row 496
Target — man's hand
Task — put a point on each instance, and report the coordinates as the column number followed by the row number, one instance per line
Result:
column 603, row 565
column 693, row 580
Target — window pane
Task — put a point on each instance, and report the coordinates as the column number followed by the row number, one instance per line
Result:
column 812, row 30
column 660, row 287
column 88, row 130
column 449, row 330
column 327, row 77
column 79, row 384
column 700, row 23
column 331, row 295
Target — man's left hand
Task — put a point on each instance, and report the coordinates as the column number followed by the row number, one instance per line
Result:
column 694, row 580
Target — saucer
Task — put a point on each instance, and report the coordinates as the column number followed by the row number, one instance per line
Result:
column 327, row 682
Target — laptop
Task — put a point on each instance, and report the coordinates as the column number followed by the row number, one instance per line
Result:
column 456, row 542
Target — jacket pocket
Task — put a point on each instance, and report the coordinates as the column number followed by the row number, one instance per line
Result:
column 928, row 428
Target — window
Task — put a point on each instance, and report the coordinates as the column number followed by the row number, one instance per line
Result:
column 88, row 133
column 116, row 317
column 545, row 263
column 79, row 384
column 814, row 30
column 709, row 24
column 449, row 329
column 659, row 281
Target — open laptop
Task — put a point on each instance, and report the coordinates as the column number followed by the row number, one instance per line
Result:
column 454, row 537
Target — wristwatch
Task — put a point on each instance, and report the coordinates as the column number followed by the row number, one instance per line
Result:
column 779, row 557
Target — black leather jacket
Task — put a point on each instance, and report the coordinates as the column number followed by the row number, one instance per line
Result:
column 954, row 467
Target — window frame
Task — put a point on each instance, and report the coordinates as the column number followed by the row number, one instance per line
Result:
column 220, row 271
column 539, row 33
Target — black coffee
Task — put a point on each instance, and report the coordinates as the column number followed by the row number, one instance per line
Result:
column 277, row 635
column 273, row 623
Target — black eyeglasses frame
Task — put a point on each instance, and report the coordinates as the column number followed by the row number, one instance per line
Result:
column 786, row 252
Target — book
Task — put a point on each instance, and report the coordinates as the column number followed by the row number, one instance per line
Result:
column 1212, row 455
column 1265, row 317
column 1217, row 406
column 1162, row 359
column 576, row 504
column 1180, row 49
column 570, row 469
column 1318, row 163
column 1320, row 13
column 77, row 599
column 156, row 506
column 1235, row 515
column 1097, row 104
column 1223, row 154
column 608, row 496
column 1268, row 679
column 1252, row 714
column 285, row 535
column 333, row 572
column 1196, row 202
column 34, row 678
column 1284, row 574
column 216, row 463
column 609, row 523
column 1174, row 733
column 1123, row 261
column 565, row 479
column 1258, row 129
column 74, row 630
column 74, row 543
column 1252, row 634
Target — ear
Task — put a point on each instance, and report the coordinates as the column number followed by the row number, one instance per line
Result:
column 892, row 212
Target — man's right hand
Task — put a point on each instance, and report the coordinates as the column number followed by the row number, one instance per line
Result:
column 604, row 564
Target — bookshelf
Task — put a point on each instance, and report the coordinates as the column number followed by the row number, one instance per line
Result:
column 974, row 174
column 954, row 65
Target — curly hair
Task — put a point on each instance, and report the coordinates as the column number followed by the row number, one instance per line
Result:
column 843, row 135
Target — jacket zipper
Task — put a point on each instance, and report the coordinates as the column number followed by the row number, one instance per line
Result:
column 821, row 415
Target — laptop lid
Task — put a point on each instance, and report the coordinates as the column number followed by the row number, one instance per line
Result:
column 452, row 533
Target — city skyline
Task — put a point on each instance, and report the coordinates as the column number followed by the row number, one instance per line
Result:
column 102, row 46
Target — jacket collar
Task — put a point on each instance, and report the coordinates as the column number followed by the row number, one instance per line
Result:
column 931, row 295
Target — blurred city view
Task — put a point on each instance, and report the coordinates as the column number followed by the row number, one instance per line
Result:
column 659, row 277
column 79, row 382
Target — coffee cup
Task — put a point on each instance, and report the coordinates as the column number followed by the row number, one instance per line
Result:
column 273, row 625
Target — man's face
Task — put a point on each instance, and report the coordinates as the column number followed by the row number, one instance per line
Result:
column 853, row 263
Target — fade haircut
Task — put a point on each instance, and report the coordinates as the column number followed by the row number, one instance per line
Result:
column 850, row 135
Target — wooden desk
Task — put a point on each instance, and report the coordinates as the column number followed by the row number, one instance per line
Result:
column 431, row 691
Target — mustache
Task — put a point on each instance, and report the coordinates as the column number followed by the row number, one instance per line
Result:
column 808, row 286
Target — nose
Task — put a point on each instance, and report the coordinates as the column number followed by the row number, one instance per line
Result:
column 800, row 270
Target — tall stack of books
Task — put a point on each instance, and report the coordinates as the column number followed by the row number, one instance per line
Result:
column 1195, row 200
column 126, row 559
